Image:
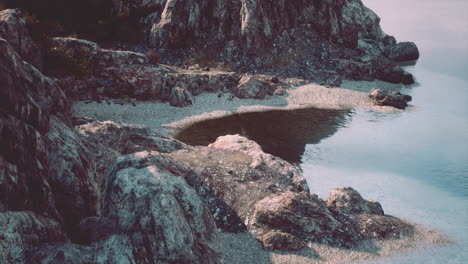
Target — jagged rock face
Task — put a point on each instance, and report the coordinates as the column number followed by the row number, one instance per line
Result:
column 13, row 29
column 155, row 212
column 72, row 175
column 28, row 99
column 255, row 23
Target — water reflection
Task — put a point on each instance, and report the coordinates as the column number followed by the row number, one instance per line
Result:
column 283, row 133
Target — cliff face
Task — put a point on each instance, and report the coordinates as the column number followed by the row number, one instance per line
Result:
column 257, row 22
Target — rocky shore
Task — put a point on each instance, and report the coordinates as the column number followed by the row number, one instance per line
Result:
column 82, row 183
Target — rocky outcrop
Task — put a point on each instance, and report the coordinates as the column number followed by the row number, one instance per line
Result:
column 250, row 87
column 374, row 67
column 127, row 139
column 28, row 100
column 54, row 193
column 72, row 176
column 250, row 188
column 257, row 23
column 166, row 223
column 385, row 97
column 403, row 51
column 382, row 226
column 22, row 231
column 180, row 97
column 299, row 214
column 367, row 216
column 13, row 29
column 346, row 200
column 28, row 214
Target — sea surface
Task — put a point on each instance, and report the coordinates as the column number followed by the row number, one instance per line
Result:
column 414, row 162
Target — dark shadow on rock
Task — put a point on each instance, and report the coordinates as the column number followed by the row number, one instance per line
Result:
column 282, row 133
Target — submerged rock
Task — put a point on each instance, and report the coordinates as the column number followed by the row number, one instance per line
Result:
column 385, row 97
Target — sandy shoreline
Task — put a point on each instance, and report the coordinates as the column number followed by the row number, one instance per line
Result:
column 242, row 247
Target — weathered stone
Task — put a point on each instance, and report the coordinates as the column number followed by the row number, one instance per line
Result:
column 180, row 97
column 72, row 176
column 128, row 139
column 22, row 231
column 299, row 214
column 382, row 226
column 257, row 23
column 155, row 213
column 28, row 99
column 250, row 87
column 370, row 46
column 62, row 253
column 13, row 29
column 385, row 97
column 346, row 200
column 373, row 67
column 71, row 56
column 281, row 241
column 403, row 51
column 117, row 58
column 262, row 160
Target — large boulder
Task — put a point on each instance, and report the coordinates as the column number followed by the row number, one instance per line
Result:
column 347, row 200
column 300, row 214
column 180, row 97
column 154, row 212
column 251, row 87
column 389, row 98
column 367, row 215
column 265, row 194
column 13, row 29
column 403, row 51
